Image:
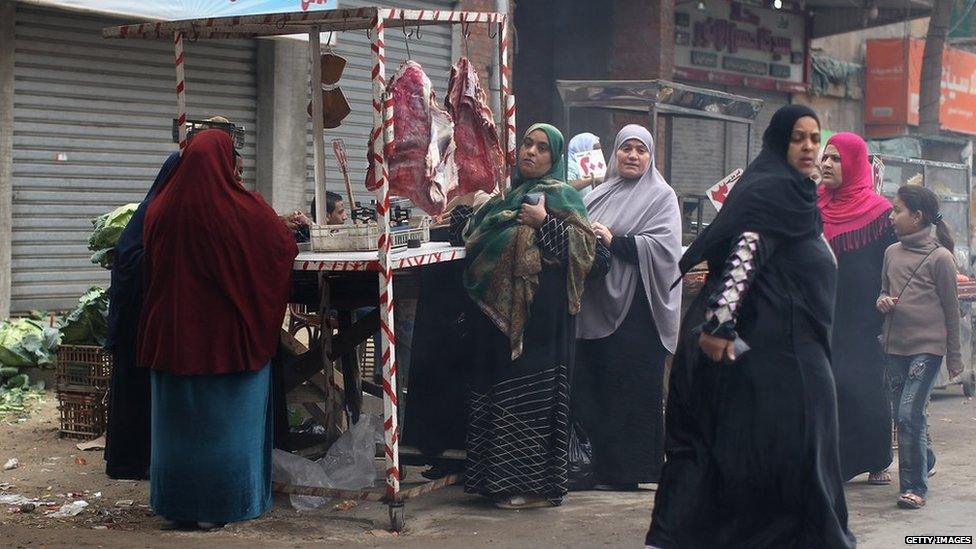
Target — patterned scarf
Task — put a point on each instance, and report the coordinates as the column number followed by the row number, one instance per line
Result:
column 504, row 258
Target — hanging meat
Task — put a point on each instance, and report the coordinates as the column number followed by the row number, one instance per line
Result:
column 480, row 160
column 421, row 164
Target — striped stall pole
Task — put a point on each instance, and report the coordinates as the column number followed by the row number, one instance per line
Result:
column 382, row 139
column 508, row 99
column 180, row 87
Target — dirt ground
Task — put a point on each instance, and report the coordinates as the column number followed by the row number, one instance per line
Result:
column 54, row 470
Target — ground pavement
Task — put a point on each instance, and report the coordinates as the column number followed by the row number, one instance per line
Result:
column 55, row 470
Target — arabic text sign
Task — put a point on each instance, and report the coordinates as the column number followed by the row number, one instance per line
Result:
column 718, row 192
column 590, row 163
column 894, row 78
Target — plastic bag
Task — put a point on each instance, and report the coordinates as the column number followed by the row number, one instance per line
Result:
column 348, row 465
column 580, row 460
column 350, row 462
column 288, row 468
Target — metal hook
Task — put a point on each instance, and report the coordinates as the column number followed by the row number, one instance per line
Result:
column 196, row 34
column 490, row 27
column 465, row 33
column 281, row 23
column 418, row 31
column 406, row 37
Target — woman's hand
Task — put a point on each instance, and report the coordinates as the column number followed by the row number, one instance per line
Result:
column 955, row 368
column 603, row 233
column 533, row 216
column 717, row 348
column 886, row 303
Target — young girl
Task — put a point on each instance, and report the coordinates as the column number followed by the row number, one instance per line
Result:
column 918, row 297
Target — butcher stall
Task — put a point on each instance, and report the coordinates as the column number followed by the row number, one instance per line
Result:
column 349, row 266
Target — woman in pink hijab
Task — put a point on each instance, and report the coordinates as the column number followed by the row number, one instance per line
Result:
column 856, row 224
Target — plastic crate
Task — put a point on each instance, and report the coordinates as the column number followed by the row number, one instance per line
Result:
column 83, row 415
column 363, row 238
column 83, row 369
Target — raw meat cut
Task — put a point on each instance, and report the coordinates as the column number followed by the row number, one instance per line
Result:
column 479, row 157
column 421, row 163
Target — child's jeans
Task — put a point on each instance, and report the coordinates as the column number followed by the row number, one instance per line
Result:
column 911, row 380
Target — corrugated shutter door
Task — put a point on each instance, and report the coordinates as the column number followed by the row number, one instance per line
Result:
column 92, row 125
column 432, row 50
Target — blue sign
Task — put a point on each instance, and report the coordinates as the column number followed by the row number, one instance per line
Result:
column 174, row 10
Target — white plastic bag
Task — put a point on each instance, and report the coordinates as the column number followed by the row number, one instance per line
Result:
column 348, row 465
column 350, row 462
column 295, row 470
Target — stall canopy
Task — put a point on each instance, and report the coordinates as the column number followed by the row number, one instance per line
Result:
column 645, row 95
column 189, row 9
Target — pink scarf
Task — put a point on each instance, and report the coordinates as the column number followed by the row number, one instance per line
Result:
column 853, row 215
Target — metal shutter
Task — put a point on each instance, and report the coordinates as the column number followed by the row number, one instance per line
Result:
column 92, row 125
column 432, row 51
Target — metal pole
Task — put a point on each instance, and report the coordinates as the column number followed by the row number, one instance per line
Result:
column 382, row 139
column 180, row 87
column 318, row 139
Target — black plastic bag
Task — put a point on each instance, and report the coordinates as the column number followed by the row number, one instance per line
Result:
column 580, row 460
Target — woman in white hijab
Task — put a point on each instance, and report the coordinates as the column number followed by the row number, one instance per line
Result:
column 628, row 321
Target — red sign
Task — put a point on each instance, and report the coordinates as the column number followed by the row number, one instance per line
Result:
column 894, row 68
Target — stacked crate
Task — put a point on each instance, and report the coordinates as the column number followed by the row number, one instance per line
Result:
column 83, row 373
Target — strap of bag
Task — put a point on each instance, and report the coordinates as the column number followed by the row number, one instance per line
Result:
column 903, row 288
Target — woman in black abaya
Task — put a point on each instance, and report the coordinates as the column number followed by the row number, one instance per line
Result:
column 752, row 436
column 127, row 434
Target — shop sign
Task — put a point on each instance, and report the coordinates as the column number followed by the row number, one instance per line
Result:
column 894, row 68
column 752, row 46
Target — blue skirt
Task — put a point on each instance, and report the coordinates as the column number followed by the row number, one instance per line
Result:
column 211, row 446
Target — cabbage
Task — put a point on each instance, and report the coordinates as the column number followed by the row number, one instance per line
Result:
column 27, row 342
column 88, row 324
column 107, row 229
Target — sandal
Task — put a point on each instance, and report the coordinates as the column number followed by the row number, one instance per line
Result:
column 909, row 500
column 879, row 478
column 522, row 502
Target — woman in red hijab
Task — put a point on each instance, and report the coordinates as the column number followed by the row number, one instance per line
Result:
column 856, row 224
column 218, row 264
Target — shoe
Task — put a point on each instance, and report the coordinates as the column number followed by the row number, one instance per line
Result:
column 909, row 500
column 208, row 526
column 932, row 472
column 439, row 471
column 523, row 502
column 178, row 525
column 879, row 478
column 625, row 487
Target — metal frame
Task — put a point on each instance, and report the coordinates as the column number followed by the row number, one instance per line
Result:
column 374, row 20
column 660, row 98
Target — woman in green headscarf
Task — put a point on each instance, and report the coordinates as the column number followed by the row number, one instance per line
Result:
column 525, row 272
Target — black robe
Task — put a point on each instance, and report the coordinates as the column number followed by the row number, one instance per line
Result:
column 618, row 397
column 751, row 446
column 127, row 436
column 858, row 363
column 436, row 410
column 518, row 419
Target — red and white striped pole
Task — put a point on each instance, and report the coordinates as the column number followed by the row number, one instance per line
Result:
column 508, row 100
column 382, row 139
column 180, row 87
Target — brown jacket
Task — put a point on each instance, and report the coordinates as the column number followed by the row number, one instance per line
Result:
column 926, row 317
